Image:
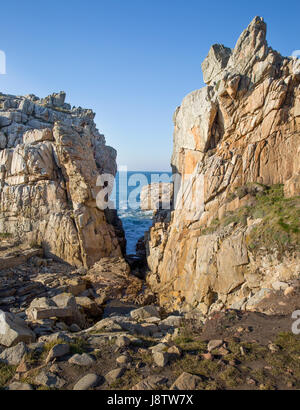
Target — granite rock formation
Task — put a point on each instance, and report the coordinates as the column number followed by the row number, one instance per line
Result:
column 240, row 137
column 50, row 158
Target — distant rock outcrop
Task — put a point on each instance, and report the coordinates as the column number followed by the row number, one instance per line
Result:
column 240, row 135
column 156, row 196
column 50, row 158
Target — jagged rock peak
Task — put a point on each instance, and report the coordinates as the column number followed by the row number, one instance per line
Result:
column 215, row 62
column 250, row 48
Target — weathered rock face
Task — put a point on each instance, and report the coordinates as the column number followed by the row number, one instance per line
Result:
column 243, row 128
column 50, row 158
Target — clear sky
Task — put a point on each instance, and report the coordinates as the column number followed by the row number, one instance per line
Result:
column 131, row 61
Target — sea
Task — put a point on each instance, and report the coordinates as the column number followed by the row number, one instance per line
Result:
column 126, row 195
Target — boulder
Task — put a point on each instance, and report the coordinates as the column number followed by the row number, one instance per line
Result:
column 175, row 351
column 161, row 359
column 56, row 337
column 171, row 321
column 145, row 312
column 214, row 344
column 87, row 382
column 14, row 355
column 48, row 379
column 187, row 381
column 114, row 375
column 83, row 360
column 62, row 306
column 58, row 351
column 106, row 325
column 123, row 360
column 151, row 383
column 159, row 348
column 14, row 330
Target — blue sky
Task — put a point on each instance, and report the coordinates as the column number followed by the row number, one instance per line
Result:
column 131, row 61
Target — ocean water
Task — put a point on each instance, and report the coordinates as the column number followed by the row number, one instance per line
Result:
column 126, row 196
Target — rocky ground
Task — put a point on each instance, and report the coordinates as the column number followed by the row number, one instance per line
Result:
column 71, row 329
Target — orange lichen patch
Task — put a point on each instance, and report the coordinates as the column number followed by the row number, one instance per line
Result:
column 191, row 159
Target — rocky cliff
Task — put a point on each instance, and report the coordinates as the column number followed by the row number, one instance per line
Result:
column 240, row 136
column 50, row 158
